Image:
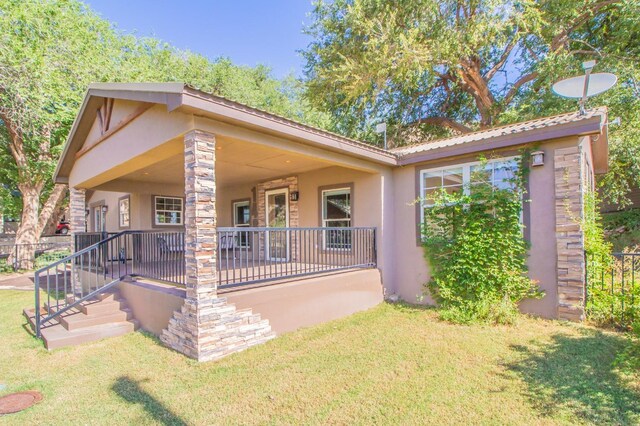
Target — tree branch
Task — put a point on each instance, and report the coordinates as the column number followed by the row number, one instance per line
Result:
column 503, row 58
column 55, row 198
column 516, row 86
column 559, row 39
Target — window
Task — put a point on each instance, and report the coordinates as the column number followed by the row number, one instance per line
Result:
column 168, row 211
column 124, row 212
column 462, row 177
column 336, row 213
column 98, row 219
column 242, row 218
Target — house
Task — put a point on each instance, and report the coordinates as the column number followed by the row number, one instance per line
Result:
column 220, row 223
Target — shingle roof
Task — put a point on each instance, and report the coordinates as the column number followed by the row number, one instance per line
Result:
column 511, row 129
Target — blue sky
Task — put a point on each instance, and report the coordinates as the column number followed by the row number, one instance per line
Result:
column 249, row 32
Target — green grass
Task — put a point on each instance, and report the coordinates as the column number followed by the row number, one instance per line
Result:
column 393, row 364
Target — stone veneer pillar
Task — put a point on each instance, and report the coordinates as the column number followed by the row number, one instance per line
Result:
column 78, row 223
column 569, row 205
column 207, row 327
column 77, row 210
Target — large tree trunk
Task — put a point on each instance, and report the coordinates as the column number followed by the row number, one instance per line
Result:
column 27, row 235
column 32, row 222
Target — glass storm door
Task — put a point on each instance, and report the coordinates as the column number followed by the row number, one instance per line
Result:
column 277, row 212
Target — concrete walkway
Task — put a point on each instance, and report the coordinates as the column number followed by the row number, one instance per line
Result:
column 18, row 281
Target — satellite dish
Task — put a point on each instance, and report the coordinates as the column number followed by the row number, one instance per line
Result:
column 574, row 87
column 584, row 86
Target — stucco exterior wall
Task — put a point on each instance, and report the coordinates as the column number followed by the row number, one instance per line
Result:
column 141, row 206
column 411, row 268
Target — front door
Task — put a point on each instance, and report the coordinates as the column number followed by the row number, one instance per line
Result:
column 277, row 216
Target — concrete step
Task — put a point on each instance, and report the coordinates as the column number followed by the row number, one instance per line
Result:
column 102, row 307
column 82, row 320
column 30, row 315
column 57, row 336
column 109, row 296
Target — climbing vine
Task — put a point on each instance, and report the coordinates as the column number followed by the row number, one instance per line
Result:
column 473, row 240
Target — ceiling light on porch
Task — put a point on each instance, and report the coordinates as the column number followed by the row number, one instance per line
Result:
column 145, row 173
column 287, row 161
column 218, row 148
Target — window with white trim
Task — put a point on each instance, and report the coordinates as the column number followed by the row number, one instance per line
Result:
column 336, row 213
column 168, row 211
column 124, row 207
column 242, row 218
column 461, row 177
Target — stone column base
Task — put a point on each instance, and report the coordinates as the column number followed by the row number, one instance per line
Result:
column 222, row 330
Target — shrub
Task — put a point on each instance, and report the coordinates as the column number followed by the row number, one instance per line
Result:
column 473, row 240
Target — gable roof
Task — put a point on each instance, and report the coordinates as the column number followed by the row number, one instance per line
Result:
column 180, row 95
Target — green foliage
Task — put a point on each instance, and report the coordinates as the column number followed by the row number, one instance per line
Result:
column 430, row 67
column 628, row 361
column 473, row 241
column 5, row 267
column 51, row 50
column 622, row 230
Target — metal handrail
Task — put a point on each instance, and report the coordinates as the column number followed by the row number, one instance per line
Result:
column 73, row 260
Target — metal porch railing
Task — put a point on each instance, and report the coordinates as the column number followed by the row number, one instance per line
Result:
column 245, row 256
column 252, row 255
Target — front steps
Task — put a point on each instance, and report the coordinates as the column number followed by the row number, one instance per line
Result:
column 106, row 316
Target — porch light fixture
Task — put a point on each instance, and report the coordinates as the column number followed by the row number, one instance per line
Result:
column 104, row 208
column 86, row 212
column 537, row 158
column 294, row 196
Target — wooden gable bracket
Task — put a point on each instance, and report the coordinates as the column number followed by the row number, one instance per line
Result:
column 104, row 115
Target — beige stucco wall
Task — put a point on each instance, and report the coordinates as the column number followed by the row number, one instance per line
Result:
column 411, row 268
column 140, row 205
column 152, row 304
column 311, row 301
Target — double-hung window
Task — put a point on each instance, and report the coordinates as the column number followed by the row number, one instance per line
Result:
column 336, row 213
column 500, row 173
column 242, row 218
column 168, row 211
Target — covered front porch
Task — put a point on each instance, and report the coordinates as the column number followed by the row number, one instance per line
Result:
column 212, row 197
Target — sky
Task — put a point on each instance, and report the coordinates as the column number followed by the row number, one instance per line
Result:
column 250, row 32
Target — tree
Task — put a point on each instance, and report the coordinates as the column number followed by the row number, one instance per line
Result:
column 452, row 64
column 50, row 50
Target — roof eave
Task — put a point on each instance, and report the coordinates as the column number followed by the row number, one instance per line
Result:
column 588, row 126
column 237, row 114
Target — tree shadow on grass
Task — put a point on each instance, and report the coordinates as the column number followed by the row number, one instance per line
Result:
column 130, row 391
column 576, row 375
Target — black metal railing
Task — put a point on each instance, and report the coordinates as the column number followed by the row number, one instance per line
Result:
column 245, row 256
column 252, row 255
column 95, row 268
column 33, row 256
column 73, row 279
column 157, row 255
column 613, row 289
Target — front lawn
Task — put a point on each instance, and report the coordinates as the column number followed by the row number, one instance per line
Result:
column 393, row 364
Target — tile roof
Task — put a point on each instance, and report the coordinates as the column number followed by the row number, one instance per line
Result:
column 510, row 129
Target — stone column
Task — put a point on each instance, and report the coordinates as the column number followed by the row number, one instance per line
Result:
column 77, row 210
column 569, row 205
column 77, row 220
column 206, row 327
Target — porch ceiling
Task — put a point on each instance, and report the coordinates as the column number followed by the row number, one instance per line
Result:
column 237, row 162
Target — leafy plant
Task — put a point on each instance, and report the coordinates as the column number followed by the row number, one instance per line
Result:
column 474, row 243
